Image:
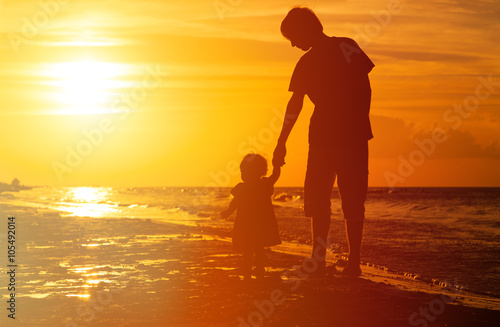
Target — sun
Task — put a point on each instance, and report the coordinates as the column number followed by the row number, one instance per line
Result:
column 84, row 87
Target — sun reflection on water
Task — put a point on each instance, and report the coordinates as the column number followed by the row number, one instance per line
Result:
column 83, row 296
column 89, row 194
column 88, row 202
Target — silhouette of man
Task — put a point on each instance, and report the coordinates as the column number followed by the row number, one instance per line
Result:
column 334, row 75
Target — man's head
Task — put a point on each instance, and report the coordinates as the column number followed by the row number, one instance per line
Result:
column 301, row 27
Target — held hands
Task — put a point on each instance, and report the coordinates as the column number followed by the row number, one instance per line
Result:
column 279, row 155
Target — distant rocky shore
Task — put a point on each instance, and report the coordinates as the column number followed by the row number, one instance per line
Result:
column 14, row 186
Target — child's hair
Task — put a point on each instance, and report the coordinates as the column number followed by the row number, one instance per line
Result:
column 254, row 164
column 300, row 21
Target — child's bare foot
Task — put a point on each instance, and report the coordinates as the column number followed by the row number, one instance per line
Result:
column 320, row 271
column 259, row 272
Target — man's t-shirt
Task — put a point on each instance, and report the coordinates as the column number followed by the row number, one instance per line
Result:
column 335, row 77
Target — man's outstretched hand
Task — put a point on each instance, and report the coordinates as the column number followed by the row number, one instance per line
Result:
column 279, row 155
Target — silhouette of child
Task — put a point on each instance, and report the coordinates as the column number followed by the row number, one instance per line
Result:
column 255, row 226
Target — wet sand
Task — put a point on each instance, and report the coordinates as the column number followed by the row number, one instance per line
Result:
column 132, row 272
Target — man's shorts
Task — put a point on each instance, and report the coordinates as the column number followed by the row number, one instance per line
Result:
column 350, row 166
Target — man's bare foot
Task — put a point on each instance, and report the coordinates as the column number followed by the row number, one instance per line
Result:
column 351, row 271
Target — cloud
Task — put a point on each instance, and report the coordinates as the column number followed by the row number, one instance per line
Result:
column 461, row 144
column 433, row 56
column 396, row 137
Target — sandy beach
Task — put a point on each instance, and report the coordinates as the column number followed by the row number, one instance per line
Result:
column 135, row 272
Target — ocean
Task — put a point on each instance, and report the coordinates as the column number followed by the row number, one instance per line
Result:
column 432, row 234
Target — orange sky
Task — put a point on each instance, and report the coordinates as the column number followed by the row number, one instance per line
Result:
column 169, row 93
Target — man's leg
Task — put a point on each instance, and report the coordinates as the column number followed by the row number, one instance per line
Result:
column 353, row 186
column 260, row 258
column 320, row 227
column 354, row 230
column 246, row 265
column 320, row 177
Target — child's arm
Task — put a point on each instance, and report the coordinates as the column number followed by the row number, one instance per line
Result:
column 275, row 175
column 232, row 207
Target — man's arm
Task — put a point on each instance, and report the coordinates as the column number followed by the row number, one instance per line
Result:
column 292, row 113
column 275, row 175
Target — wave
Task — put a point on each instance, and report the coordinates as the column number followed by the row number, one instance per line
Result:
column 285, row 197
column 420, row 207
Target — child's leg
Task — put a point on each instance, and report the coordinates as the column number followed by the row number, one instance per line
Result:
column 260, row 258
column 247, row 263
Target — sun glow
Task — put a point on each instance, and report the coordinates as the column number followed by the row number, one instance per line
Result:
column 85, row 87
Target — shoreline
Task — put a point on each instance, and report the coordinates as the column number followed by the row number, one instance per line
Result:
column 131, row 272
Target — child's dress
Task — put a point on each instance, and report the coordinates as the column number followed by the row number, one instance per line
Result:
column 255, row 224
